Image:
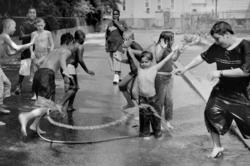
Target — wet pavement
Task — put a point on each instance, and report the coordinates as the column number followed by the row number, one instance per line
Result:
column 99, row 102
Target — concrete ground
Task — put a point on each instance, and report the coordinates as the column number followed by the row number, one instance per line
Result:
column 99, row 102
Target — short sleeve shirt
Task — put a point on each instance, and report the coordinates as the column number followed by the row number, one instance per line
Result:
column 114, row 38
column 168, row 66
column 239, row 57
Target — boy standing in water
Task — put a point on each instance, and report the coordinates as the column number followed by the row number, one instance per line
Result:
column 71, row 85
column 44, row 81
column 147, row 94
column 229, row 99
column 43, row 46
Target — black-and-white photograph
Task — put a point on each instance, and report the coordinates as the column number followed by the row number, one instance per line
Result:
column 124, row 82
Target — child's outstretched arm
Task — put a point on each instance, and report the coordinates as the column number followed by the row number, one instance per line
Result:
column 167, row 58
column 132, row 53
column 178, row 53
column 80, row 52
column 16, row 47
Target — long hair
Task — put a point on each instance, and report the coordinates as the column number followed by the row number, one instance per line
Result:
column 168, row 37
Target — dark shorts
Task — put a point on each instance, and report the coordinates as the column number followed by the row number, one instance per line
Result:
column 225, row 106
column 44, row 83
column 70, row 83
column 147, row 116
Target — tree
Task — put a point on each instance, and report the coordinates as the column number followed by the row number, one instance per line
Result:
column 91, row 10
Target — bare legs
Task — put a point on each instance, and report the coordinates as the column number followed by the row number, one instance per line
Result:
column 124, row 85
column 128, row 99
column 68, row 95
column 25, row 117
column 217, row 148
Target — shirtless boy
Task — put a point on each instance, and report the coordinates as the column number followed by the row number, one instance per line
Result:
column 43, row 46
column 71, row 85
column 147, row 71
column 44, row 80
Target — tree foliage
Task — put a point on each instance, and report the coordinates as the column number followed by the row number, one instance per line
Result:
column 91, row 10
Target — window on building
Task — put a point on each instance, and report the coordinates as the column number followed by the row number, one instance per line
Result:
column 124, row 4
column 172, row 4
column 148, row 10
column 159, row 7
column 159, row 1
column 146, row 4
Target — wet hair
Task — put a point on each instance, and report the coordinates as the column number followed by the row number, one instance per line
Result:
column 129, row 34
column 147, row 54
column 66, row 38
column 7, row 23
column 168, row 37
column 39, row 20
column 79, row 36
column 221, row 28
column 116, row 11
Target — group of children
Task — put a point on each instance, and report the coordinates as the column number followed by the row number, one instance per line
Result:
column 139, row 83
column 144, row 83
column 47, row 62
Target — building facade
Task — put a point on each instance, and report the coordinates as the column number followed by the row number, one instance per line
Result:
column 168, row 13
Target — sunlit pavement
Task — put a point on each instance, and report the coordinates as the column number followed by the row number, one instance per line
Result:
column 99, row 102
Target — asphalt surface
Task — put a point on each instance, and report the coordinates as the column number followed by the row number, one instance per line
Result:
column 99, row 102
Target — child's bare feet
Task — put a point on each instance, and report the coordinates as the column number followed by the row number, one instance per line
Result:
column 216, row 152
column 23, row 121
column 34, row 97
column 168, row 125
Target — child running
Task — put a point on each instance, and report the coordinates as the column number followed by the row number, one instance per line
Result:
column 44, row 81
column 71, row 85
column 147, row 71
column 43, row 46
column 7, row 47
